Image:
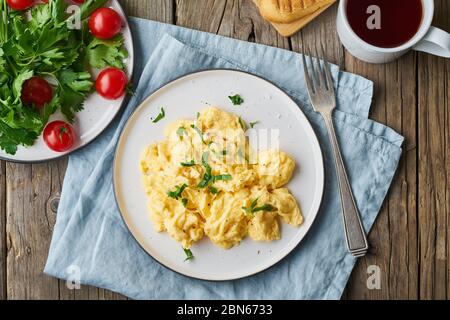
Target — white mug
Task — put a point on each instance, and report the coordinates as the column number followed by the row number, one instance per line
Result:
column 427, row 39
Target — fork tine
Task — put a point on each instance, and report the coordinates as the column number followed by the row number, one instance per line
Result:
column 319, row 71
column 309, row 83
column 312, row 70
column 326, row 67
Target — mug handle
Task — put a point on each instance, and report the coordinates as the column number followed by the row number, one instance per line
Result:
column 436, row 42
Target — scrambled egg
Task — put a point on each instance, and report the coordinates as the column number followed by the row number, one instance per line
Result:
column 202, row 180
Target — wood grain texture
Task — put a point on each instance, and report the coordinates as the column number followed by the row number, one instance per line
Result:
column 394, row 235
column 410, row 242
column 3, row 275
column 159, row 10
column 28, row 227
column 433, row 168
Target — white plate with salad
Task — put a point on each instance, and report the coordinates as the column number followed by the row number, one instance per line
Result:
column 65, row 68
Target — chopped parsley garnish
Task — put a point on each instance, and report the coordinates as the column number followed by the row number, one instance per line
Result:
column 181, row 131
column 178, row 191
column 213, row 190
column 241, row 122
column 184, row 201
column 160, row 116
column 253, row 124
column 188, row 164
column 222, row 177
column 209, row 178
column 200, row 133
column 236, row 100
column 189, row 255
column 198, row 115
column 253, row 207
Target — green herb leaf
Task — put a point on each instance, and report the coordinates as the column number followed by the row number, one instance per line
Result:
column 253, row 207
column 184, row 201
column 207, row 177
column 253, row 124
column 189, row 255
column 178, row 191
column 102, row 53
column 23, row 76
column 199, row 132
column 266, row 207
column 222, row 177
column 160, row 116
column 242, row 123
column 188, row 164
column 181, row 132
column 213, row 190
column 237, row 100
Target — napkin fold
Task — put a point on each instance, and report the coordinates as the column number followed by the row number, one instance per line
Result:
column 90, row 235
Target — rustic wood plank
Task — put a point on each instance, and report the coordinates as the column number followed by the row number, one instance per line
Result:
column 433, row 171
column 402, row 198
column 379, row 238
column 445, row 7
column 233, row 18
column 393, row 237
column 159, row 10
column 29, row 226
column 321, row 30
column 2, row 231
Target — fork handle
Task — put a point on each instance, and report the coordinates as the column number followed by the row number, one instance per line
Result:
column 354, row 231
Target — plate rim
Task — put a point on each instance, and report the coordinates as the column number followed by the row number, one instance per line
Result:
column 126, row 99
column 115, row 169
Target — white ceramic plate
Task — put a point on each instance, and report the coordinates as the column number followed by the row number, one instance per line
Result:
column 183, row 98
column 90, row 122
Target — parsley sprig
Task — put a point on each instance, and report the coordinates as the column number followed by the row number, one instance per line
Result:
column 236, row 100
column 208, row 178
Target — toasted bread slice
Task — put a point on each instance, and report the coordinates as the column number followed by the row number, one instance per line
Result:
column 286, row 11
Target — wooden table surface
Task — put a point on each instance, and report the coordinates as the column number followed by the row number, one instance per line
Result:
column 410, row 242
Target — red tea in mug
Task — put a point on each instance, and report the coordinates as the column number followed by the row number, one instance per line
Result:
column 385, row 23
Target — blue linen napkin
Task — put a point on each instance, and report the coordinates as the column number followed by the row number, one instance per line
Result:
column 90, row 234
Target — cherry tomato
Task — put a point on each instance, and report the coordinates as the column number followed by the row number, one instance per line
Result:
column 59, row 136
column 111, row 83
column 20, row 4
column 105, row 23
column 36, row 91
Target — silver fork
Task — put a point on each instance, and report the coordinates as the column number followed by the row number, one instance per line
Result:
column 321, row 93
